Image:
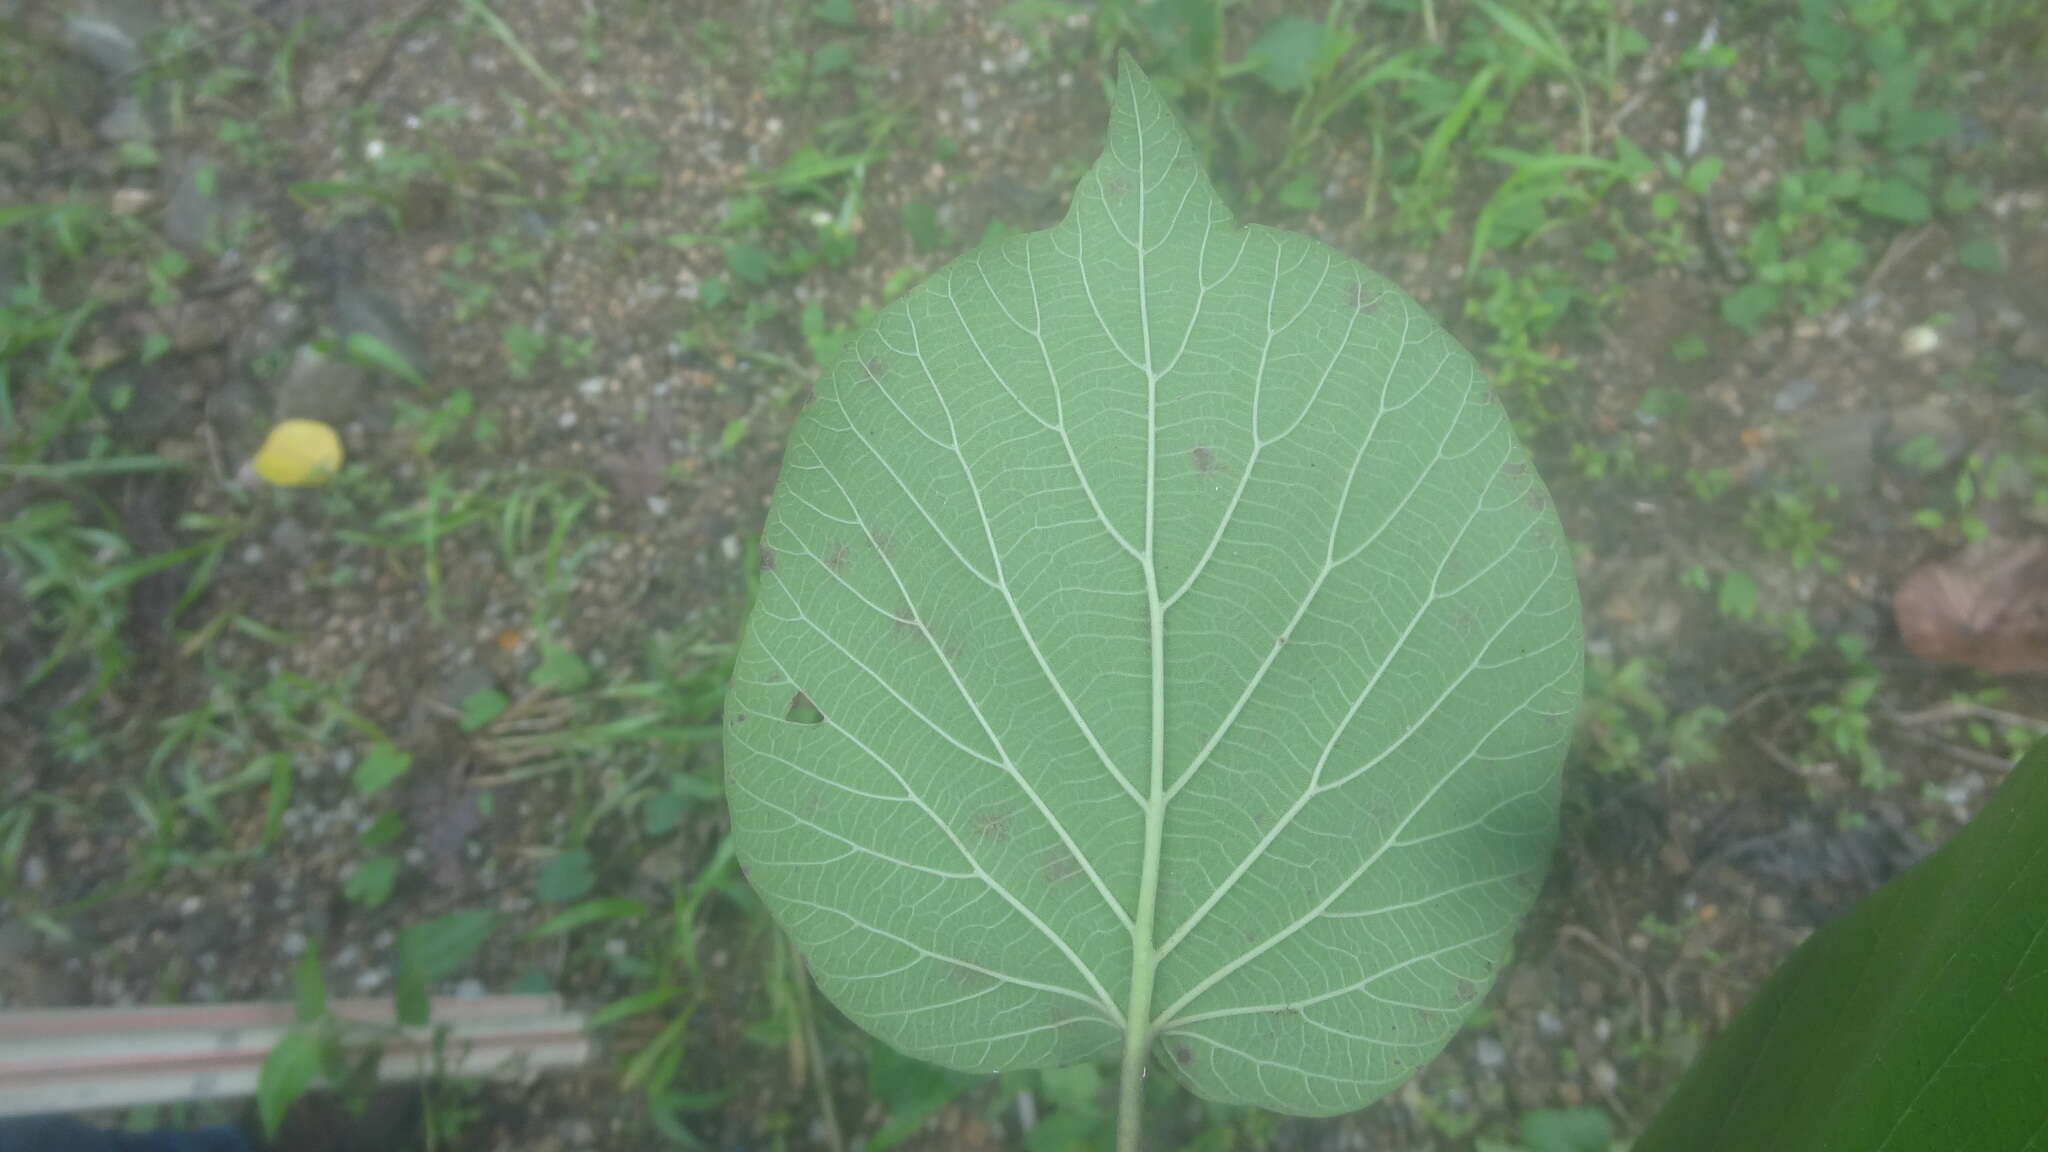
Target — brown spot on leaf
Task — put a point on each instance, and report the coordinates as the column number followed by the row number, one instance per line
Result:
column 876, row 370
column 1535, row 498
column 767, row 559
column 1060, row 866
column 836, row 559
column 1465, row 991
column 1203, row 458
column 1183, row 1054
column 994, row 824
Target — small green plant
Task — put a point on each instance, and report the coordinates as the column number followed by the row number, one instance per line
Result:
column 325, row 1050
column 1526, row 314
column 1793, row 523
column 1844, row 727
column 1876, row 161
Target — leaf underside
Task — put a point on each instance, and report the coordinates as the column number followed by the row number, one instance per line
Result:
column 940, row 732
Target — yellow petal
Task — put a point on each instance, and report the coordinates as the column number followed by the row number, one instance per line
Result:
column 298, row 454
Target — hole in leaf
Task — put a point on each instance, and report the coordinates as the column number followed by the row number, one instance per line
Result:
column 802, row 711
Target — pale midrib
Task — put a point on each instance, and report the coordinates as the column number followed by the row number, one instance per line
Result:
column 1144, row 964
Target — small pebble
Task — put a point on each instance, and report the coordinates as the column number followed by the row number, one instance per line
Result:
column 729, row 548
column 1490, row 1052
column 1919, row 340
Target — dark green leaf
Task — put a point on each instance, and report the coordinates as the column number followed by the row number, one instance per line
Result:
column 309, row 988
column 594, row 912
column 291, row 1067
column 1960, row 195
column 1748, row 306
column 565, row 877
column 664, row 810
column 366, row 349
column 1567, row 1130
column 387, row 827
column 1981, row 254
column 1913, row 1022
column 409, row 992
column 1303, row 194
column 372, row 881
column 832, row 59
column 923, row 225
column 434, row 951
column 481, row 707
column 560, row 669
column 1287, row 52
column 1737, row 599
column 1918, row 127
column 1895, row 199
column 380, row 769
column 910, row 1091
column 1814, row 139
column 752, row 263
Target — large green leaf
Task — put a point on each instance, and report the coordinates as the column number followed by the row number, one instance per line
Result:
column 1160, row 636
column 1918, row 1020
